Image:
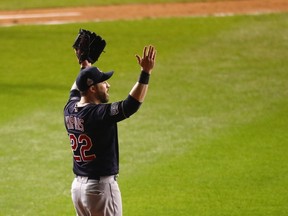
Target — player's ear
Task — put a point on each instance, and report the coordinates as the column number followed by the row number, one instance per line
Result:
column 93, row 88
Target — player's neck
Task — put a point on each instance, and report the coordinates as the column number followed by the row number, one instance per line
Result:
column 87, row 100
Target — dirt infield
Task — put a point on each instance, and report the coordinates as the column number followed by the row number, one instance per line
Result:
column 139, row 11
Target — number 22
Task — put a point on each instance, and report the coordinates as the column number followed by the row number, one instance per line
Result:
column 85, row 144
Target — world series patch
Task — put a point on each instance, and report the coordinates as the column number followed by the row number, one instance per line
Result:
column 114, row 110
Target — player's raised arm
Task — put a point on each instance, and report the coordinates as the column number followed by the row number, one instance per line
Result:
column 83, row 65
column 88, row 47
column 147, row 62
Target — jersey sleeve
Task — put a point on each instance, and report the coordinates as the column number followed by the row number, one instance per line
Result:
column 74, row 95
column 117, row 111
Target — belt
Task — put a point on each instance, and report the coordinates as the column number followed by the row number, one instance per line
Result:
column 98, row 178
column 94, row 177
column 102, row 177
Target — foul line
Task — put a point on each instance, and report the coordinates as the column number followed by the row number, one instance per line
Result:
column 32, row 16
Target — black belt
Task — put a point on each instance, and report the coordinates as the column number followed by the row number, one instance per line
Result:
column 98, row 177
column 94, row 177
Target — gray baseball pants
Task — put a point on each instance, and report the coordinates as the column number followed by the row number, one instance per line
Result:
column 96, row 197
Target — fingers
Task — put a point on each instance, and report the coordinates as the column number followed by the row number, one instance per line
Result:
column 148, row 58
column 154, row 55
column 138, row 58
column 145, row 52
column 149, row 52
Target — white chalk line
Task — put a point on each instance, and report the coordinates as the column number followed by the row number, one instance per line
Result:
column 33, row 16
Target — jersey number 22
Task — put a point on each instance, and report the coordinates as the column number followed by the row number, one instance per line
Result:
column 82, row 145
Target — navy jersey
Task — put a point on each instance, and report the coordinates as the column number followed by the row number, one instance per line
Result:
column 92, row 130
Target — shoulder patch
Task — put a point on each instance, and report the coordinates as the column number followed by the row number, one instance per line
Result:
column 114, row 110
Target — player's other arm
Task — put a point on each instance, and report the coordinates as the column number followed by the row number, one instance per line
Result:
column 139, row 90
column 146, row 62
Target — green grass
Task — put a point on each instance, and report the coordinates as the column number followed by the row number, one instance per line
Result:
column 210, row 139
column 33, row 4
column 18, row 4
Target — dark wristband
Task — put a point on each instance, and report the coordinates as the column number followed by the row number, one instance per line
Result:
column 144, row 77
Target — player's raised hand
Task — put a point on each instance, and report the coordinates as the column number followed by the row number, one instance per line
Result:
column 147, row 61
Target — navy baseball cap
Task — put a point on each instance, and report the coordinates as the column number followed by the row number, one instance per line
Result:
column 90, row 76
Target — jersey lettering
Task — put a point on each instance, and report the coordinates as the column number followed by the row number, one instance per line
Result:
column 74, row 123
column 82, row 145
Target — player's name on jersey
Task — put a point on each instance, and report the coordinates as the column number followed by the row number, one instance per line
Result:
column 74, row 123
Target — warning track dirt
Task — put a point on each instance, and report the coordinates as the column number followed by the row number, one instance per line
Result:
column 140, row 11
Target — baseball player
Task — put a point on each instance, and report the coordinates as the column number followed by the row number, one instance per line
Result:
column 91, row 123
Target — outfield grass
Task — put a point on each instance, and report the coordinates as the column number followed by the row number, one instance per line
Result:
column 19, row 4
column 210, row 139
column 32, row 4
